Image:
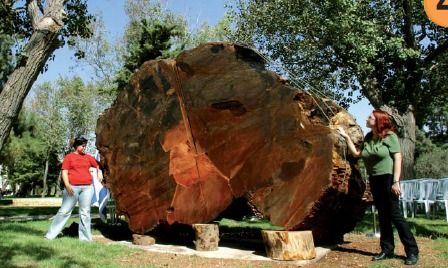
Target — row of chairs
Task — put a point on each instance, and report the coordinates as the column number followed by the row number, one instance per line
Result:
column 428, row 192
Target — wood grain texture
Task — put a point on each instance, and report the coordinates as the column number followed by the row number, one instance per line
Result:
column 289, row 245
column 187, row 136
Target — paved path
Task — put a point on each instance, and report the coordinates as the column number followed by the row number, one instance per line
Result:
column 222, row 252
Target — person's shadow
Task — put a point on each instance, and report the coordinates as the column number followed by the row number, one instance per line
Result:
column 72, row 230
column 354, row 250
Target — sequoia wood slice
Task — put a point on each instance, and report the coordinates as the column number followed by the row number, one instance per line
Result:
column 289, row 245
column 189, row 135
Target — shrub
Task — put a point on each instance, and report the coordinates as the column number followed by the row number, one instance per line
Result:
column 432, row 164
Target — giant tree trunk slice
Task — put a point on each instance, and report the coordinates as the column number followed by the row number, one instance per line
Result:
column 189, row 135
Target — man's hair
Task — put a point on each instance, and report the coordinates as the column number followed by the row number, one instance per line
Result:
column 79, row 141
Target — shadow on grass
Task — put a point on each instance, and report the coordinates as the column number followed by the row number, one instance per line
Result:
column 427, row 231
column 422, row 226
column 37, row 253
column 115, row 232
column 182, row 235
column 13, row 248
column 353, row 250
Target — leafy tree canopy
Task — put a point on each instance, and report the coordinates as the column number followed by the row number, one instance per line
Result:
column 23, row 155
column 387, row 50
column 16, row 30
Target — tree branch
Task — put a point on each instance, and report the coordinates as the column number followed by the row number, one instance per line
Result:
column 33, row 12
column 370, row 90
column 435, row 53
column 409, row 37
column 55, row 11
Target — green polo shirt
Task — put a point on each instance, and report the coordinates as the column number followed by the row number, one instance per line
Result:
column 378, row 154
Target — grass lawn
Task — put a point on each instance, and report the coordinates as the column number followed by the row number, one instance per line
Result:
column 251, row 224
column 22, row 244
column 435, row 229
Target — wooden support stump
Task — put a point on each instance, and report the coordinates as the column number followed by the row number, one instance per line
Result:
column 143, row 240
column 207, row 237
column 289, row 245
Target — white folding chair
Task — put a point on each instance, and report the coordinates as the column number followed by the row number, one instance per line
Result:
column 427, row 195
column 442, row 194
column 407, row 196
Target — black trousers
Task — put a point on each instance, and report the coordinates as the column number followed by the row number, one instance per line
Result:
column 389, row 212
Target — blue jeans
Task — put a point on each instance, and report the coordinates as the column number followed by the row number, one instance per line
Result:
column 82, row 194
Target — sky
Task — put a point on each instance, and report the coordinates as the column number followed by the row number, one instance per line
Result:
column 115, row 19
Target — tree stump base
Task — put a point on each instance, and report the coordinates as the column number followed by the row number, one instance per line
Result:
column 206, row 237
column 289, row 245
column 143, row 240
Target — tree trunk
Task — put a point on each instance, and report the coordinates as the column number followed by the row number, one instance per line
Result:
column 58, row 191
column 213, row 126
column 407, row 142
column 42, row 44
column 44, row 179
column 405, row 124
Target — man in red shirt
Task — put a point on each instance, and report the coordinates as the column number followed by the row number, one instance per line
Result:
column 78, row 188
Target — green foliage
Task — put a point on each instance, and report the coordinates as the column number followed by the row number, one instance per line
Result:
column 206, row 33
column 24, row 153
column 13, row 19
column 432, row 164
column 66, row 109
column 78, row 106
column 47, row 105
column 437, row 120
column 386, row 50
column 423, row 144
column 76, row 21
column 7, row 58
column 154, row 42
column 102, row 56
column 57, row 113
column 153, row 33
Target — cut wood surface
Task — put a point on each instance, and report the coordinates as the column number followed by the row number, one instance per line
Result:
column 206, row 237
column 189, row 135
column 289, row 245
column 143, row 240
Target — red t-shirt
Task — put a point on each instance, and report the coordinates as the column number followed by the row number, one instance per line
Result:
column 78, row 168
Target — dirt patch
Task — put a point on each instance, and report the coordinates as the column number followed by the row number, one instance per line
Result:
column 356, row 251
column 37, row 202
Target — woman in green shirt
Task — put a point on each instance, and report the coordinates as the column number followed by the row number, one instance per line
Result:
column 382, row 158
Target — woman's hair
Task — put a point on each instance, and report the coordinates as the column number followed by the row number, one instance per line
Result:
column 383, row 123
column 79, row 141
